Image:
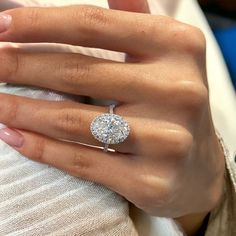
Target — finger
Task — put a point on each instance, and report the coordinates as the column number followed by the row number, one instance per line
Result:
column 130, row 5
column 70, row 73
column 59, row 120
column 87, row 26
column 109, row 169
column 71, row 121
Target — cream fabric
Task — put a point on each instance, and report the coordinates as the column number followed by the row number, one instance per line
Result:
column 36, row 199
column 39, row 200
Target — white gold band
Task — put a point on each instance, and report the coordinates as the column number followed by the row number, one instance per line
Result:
column 110, row 128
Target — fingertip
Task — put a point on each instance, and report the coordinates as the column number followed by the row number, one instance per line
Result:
column 12, row 137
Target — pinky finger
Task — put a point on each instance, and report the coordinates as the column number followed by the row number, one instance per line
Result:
column 109, row 169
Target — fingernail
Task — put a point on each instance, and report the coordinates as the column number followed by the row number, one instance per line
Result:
column 11, row 137
column 5, row 22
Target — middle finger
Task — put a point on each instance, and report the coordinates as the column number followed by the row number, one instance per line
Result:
column 70, row 73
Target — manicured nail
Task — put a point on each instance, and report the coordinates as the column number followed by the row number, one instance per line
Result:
column 5, row 22
column 11, row 137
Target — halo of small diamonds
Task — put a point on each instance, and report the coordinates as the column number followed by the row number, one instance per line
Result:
column 110, row 129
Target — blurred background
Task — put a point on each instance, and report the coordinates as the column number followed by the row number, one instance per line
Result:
column 221, row 15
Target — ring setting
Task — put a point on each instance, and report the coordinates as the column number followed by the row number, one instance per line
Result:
column 110, row 128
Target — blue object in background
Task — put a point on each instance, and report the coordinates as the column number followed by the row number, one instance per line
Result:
column 227, row 41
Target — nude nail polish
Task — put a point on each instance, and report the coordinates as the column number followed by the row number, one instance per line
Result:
column 5, row 22
column 11, row 137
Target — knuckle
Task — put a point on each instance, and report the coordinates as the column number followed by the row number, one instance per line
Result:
column 32, row 16
column 190, row 39
column 175, row 142
column 9, row 109
column 39, row 152
column 80, row 165
column 153, row 193
column 74, row 74
column 195, row 96
column 9, row 65
column 67, row 122
column 94, row 18
column 181, row 143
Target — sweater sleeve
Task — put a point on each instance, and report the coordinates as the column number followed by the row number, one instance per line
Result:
column 222, row 219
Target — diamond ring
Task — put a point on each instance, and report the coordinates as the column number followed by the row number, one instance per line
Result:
column 110, row 128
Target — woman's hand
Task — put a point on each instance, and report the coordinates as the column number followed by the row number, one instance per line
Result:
column 171, row 164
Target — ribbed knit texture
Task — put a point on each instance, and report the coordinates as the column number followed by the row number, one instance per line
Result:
column 37, row 199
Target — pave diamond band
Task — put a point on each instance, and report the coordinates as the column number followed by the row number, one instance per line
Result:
column 110, row 128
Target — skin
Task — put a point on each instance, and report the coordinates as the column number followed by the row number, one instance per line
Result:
column 171, row 165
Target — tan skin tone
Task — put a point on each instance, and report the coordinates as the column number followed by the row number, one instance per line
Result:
column 172, row 154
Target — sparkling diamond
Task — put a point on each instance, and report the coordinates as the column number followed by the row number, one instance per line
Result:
column 110, row 128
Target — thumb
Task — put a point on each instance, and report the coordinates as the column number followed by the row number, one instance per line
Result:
column 130, row 5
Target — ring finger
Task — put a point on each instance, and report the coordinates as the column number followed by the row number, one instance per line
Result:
column 70, row 121
column 61, row 120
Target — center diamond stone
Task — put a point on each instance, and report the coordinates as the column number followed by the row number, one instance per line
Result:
column 110, row 128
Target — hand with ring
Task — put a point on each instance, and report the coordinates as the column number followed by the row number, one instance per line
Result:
column 167, row 159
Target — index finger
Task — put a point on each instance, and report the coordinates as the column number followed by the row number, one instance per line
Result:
column 85, row 25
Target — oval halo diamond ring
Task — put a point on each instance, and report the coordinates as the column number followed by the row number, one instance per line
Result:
column 110, row 128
